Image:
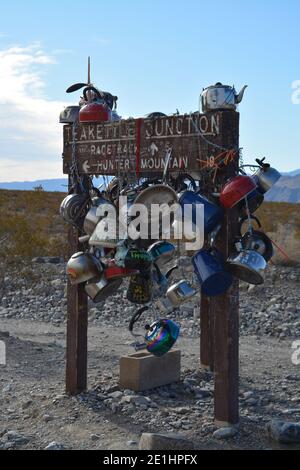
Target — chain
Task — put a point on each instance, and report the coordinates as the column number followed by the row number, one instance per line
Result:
column 74, row 165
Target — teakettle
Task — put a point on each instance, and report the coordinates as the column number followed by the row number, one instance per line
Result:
column 220, row 96
column 160, row 337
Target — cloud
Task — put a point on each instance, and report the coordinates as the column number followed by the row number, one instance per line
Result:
column 29, row 131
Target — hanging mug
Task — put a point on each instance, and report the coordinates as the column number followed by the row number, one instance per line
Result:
column 210, row 271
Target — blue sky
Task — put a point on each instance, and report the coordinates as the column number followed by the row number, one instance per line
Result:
column 154, row 55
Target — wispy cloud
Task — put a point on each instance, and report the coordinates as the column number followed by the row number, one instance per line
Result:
column 29, row 129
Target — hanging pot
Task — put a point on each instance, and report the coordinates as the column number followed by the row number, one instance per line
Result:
column 236, row 189
column 259, row 242
column 105, row 233
column 73, row 209
column 69, row 115
column 102, row 289
column 160, row 337
column 157, row 194
column 180, row 293
column 213, row 214
column 162, row 252
column 112, row 271
column 266, row 176
column 92, row 218
column 248, row 266
column 210, row 271
column 83, row 267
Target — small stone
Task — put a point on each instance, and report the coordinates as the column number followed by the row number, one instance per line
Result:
column 16, row 437
column 55, row 446
column 132, row 443
column 151, row 441
column 225, row 433
column 26, row 404
column 116, row 395
column 284, row 432
column 95, row 437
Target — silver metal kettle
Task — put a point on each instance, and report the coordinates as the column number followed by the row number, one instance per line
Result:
column 219, row 96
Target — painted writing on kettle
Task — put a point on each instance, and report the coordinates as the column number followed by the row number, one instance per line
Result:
column 106, row 148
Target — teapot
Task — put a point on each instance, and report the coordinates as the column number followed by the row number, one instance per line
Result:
column 160, row 337
column 221, row 96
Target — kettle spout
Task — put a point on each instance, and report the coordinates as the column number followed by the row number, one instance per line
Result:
column 239, row 97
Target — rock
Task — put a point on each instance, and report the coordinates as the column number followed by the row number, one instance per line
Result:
column 38, row 260
column 7, row 389
column 95, row 437
column 55, row 446
column 132, row 443
column 151, row 441
column 284, row 432
column 116, row 395
column 15, row 437
column 225, row 433
column 26, row 404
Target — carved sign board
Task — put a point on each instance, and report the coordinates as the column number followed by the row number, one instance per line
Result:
column 140, row 146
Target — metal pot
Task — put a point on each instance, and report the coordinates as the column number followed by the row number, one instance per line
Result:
column 83, row 267
column 96, row 111
column 210, row 271
column 160, row 337
column 92, row 218
column 220, row 96
column 266, row 177
column 69, row 115
column 112, row 271
column 259, row 242
column 105, row 233
column 248, row 266
column 73, row 208
column 101, row 289
column 236, row 189
column 180, row 292
column 213, row 214
column 158, row 194
column 162, row 252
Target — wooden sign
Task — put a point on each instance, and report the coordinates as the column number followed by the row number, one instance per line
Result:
column 140, row 146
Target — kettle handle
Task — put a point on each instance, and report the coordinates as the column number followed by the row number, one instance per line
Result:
column 92, row 88
column 136, row 317
column 243, row 219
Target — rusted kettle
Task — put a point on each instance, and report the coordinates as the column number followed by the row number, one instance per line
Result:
column 221, row 96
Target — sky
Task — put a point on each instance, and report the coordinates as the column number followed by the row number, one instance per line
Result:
column 154, row 55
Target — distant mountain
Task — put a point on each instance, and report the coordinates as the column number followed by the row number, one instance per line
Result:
column 57, row 185
column 60, row 185
column 292, row 173
column 287, row 189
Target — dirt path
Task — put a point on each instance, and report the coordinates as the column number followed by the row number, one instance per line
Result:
column 34, row 405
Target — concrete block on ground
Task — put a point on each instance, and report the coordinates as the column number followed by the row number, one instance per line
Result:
column 143, row 371
column 151, row 441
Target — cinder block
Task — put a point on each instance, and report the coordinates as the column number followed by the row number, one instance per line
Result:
column 143, row 371
column 165, row 442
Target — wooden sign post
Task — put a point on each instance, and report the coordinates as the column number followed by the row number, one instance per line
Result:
column 202, row 144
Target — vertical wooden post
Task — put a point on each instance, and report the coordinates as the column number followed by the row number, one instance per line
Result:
column 77, row 323
column 205, row 339
column 226, row 307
